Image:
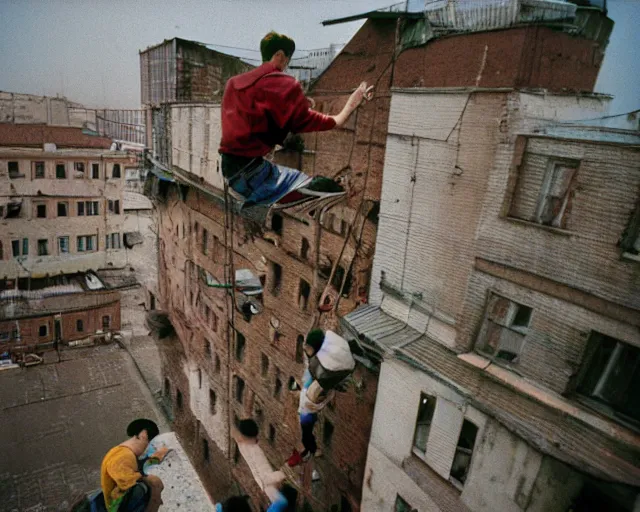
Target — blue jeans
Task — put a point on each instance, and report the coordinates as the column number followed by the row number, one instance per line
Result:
column 307, row 422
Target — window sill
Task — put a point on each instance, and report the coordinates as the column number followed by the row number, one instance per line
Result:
column 631, row 257
column 557, row 231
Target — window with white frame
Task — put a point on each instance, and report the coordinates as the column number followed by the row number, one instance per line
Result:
column 504, row 329
column 610, row 376
column 423, row 423
column 544, row 190
column 86, row 243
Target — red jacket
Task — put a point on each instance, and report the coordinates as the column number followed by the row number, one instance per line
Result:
column 259, row 109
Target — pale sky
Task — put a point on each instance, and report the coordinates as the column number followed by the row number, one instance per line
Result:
column 88, row 49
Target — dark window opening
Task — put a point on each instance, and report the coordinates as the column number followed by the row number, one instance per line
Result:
column 207, row 348
column 43, row 247
column 167, row 387
column 338, row 277
column 116, row 171
column 264, row 365
column 303, row 298
column 199, row 378
column 42, row 330
column 106, row 321
column 61, row 171
column 95, row 171
column 62, row 209
column 464, row 452
column 205, row 241
column 276, row 278
column 300, row 348
column 179, row 399
column 79, row 325
column 239, row 386
column 205, row 450
column 116, row 207
column 236, row 454
column 293, row 385
column 15, row 248
column 277, row 223
column 272, row 434
column 14, row 169
column 152, row 301
column 423, row 422
column 240, row 344
column 38, row 169
column 327, row 433
column 304, row 249
column 212, row 401
column 41, row 210
column 277, row 388
column 611, row 376
column 80, row 206
column 216, row 367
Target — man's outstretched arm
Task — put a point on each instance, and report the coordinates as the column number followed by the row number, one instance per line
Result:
column 361, row 93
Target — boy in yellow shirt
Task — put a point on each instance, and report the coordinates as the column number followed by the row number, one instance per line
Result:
column 125, row 487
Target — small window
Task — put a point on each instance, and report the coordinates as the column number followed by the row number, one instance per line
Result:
column 80, row 208
column 63, row 244
column 179, row 399
column 401, row 505
column 207, row 348
column 167, row 387
column 304, row 249
column 95, row 171
column 216, row 366
column 240, row 343
column 272, row 434
column 504, row 329
column 277, row 224
column 106, row 322
column 276, row 279
column 239, row 387
column 277, row 388
column 423, row 422
column 38, row 170
column 78, row 169
column 116, row 171
column 199, row 378
column 610, row 376
column 15, row 248
column 339, row 277
column 205, row 241
column 214, row 321
column 110, row 205
column 212, row 401
column 41, row 210
column 14, row 169
column 25, row 246
column 300, row 349
column 62, row 209
column 264, row 365
column 236, row 454
column 303, row 297
column 205, row 450
column 464, row 452
column 116, row 207
column 80, row 244
column 79, row 325
column 43, row 247
column 43, row 330
column 327, row 433
column 61, row 171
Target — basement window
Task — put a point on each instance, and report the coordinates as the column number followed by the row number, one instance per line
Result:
column 63, row 208
column 303, row 297
column 239, row 389
column 610, row 377
column 504, row 329
column 464, row 452
column 423, row 423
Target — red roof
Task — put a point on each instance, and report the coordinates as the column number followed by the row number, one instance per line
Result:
column 35, row 135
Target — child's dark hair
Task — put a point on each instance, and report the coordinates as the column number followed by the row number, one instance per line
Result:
column 273, row 42
column 137, row 426
column 315, row 338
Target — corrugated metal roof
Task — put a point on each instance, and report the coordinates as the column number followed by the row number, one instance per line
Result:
column 379, row 328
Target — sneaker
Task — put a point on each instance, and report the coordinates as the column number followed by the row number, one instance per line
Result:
column 295, row 459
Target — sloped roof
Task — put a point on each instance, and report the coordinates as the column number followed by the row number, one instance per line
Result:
column 35, row 135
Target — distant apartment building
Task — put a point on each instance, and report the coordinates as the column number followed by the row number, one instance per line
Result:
column 61, row 218
column 308, row 67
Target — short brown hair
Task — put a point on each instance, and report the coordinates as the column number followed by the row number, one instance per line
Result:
column 273, row 42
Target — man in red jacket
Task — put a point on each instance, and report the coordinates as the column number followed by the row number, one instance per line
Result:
column 259, row 109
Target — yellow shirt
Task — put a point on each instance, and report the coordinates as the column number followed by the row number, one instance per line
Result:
column 119, row 472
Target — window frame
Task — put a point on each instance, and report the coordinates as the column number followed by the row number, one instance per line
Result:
column 431, row 403
column 61, row 166
column 38, row 207
column 79, row 325
column 35, row 165
column 60, row 239
column 66, row 208
column 116, row 175
column 46, row 330
column 44, row 241
column 95, row 167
